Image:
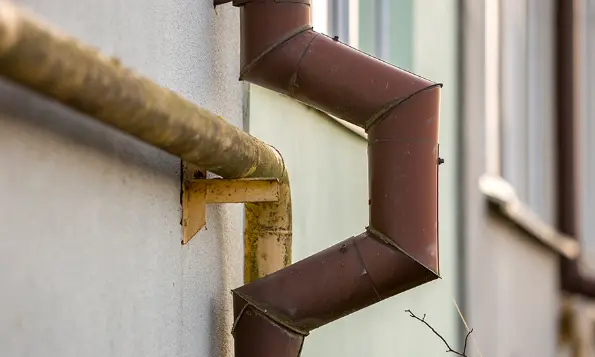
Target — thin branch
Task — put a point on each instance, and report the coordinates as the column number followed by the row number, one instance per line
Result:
column 466, row 338
column 423, row 320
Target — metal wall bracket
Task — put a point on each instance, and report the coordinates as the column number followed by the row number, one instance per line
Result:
column 197, row 193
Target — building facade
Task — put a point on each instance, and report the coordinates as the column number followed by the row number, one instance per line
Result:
column 90, row 237
column 524, row 189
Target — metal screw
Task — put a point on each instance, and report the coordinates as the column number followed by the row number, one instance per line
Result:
column 343, row 248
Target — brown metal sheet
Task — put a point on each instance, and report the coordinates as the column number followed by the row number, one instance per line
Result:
column 256, row 335
column 283, row 54
column 403, row 162
column 333, row 283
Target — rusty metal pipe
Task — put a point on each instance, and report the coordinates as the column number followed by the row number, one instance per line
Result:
column 42, row 59
column 400, row 111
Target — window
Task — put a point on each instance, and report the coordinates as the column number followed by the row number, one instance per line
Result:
column 343, row 20
column 382, row 28
column 337, row 18
column 386, row 30
column 520, row 98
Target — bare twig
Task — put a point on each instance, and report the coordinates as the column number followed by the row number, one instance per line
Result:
column 423, row 319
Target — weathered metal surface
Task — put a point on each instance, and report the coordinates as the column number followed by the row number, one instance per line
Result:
column 403, row 176
column 196, row 194
column 194, row 210
column 255, row 331
column 324, row 287
column 400, row 111
column 286, row 56
column 52, row 64
column 267, row 244
column 61, row 68
column 240, row 190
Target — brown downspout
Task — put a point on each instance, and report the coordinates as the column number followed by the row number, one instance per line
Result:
column 572, row 279
column 400, row 112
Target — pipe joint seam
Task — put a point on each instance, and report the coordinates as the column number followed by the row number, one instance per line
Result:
column 266, row 313
column 381, row 114
column 248, row 67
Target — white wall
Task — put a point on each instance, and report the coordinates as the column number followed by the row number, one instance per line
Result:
column 521, row 313
column 90, row 257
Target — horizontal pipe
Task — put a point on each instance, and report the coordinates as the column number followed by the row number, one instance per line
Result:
column 59, row 67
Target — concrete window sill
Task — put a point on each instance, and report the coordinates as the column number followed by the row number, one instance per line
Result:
column 503, row 198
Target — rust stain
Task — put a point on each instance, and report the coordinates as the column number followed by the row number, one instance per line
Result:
column 196, row 194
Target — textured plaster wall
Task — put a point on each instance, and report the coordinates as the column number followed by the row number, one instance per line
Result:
column 523, row 284
column 90, row 256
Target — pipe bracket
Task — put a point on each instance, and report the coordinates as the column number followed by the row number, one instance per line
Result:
column 197, row 193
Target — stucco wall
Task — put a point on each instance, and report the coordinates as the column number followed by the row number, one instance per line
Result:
column 513, row 291
column 523, row 283
column 90, row 257
column 327, row 164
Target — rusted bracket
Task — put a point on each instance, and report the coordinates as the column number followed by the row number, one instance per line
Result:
column 197, row 193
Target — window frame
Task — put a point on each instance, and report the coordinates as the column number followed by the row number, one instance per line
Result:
column 520, row 100
column 341, row 18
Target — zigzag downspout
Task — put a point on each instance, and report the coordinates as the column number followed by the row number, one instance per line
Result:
column 400, row 112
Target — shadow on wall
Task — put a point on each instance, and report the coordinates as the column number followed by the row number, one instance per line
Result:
column 37, row 112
